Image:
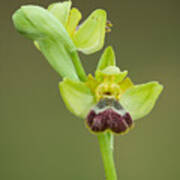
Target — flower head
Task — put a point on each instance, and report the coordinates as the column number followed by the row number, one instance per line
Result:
column 110, row 101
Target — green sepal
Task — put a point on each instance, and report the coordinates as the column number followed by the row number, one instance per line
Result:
column 140, row 99
column 41, row 26
column 111, row 71
column 89, row 38
column 107, row 59
column 77, row 97
column 61, row 11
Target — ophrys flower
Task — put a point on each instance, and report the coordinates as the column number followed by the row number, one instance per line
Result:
column 110, row 101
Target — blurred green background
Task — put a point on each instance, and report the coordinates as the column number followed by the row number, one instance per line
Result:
column 41, row 140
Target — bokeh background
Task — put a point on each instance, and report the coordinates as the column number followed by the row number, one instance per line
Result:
column 41, row 140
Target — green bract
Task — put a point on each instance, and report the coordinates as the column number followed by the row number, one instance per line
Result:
column 38, row 24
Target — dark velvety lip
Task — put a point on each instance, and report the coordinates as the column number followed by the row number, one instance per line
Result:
column 109, row 118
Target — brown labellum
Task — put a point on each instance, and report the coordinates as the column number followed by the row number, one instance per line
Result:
column 109, row 114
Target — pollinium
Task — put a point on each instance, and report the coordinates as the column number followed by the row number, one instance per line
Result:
column 109, row 114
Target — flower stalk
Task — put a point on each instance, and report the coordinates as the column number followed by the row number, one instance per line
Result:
column 106, row 141
column 78, row 66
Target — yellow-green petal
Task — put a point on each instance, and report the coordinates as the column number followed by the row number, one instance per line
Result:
column 89, row 38
column 126, row 84
column 61, row 11
column 139, row 100
column 77, row 97
column 73, row 20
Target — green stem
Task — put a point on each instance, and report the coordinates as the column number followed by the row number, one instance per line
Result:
column 78, row 66
column 106, row 146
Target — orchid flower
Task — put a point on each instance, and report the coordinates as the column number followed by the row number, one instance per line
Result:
column 110, row 101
